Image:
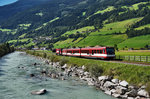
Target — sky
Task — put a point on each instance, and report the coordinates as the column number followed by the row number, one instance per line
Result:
column 5, row 2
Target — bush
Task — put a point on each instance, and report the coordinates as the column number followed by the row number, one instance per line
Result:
column 95, row 70
column 63, row 61
column 148, row 87
column 44, row 55
column 37, row 54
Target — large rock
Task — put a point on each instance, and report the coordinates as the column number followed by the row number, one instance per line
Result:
column 104, row 78
column 83, row 67
column 130, row 98
column 40, row 92
column 132, row 93
column 86, row 74
column 113, row 91
column 124, row 83
column 109, row 84
column 108, row 92
column 143, row 93
column 121, row 90
column 64, row 67
column 116, row 81
column 116, row 95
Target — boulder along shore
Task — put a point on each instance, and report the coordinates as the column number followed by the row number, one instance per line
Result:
column 108, row 84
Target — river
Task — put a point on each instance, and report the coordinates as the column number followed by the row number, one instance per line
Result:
column 16, row 83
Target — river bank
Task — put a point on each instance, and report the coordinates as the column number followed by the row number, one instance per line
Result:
column 109, row 84
column 16, row 82
column 5, row 49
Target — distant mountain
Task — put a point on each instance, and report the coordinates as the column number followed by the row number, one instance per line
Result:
column 76, row 21
column 11, row 9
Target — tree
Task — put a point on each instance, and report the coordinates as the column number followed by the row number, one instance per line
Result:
column 116, row 47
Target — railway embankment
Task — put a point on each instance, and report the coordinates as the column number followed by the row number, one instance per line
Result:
column 118, row 80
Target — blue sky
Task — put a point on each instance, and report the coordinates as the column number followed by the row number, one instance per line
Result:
column 4, row 2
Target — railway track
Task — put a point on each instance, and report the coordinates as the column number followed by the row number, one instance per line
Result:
column 127, row 62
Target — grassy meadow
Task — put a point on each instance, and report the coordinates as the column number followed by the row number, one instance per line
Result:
column 135, row 42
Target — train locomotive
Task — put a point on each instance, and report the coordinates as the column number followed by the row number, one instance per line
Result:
column 97, row 52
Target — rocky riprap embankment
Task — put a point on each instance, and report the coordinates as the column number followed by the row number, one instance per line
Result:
column 110, row 86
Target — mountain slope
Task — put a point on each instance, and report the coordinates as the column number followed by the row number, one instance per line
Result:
column 21, row 5
column 66, row 21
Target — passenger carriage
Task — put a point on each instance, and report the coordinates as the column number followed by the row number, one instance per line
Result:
column 99, row 52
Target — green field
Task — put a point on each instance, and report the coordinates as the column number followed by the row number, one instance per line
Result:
column 117, row 26
column 21, row 40
column 63, row 44
column 110, row 8
column 44, row 24
column 106, row 40
column 5, row 30
column 133, row 7
column 78, row 30
column 142, row 27
column 134, row 53
column 67, row 43
column 22, row 36
column 136, row 42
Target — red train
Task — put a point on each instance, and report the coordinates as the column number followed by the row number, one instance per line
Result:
column 99, row 52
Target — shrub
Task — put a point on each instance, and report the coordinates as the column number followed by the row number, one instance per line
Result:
column 148, row 87
column 37, row 54
column 95, row 70
column 63, row 61
column 52, row 57
column 44, row 55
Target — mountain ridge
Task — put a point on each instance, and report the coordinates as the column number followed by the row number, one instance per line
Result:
column 57, row 17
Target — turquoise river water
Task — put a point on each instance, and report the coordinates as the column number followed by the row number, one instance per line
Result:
column 16, row 83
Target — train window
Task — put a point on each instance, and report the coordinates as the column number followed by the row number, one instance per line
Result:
column 92, row 52
column 100, row 51
column 84, row 51
column 103, row 50
column 110, row 51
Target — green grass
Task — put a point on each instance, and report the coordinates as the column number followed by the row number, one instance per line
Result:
column 44, row 24
column 120, row 26
column 106, row 40
column 57, row 18
column 134, row 53
column 137, row 75
column 25, row 25
column 67, row 43
column 142, row 27
column 110, row 8
column 40, row 14
column 22, row 36
column 84, row 13
column 21, row 40
column 133, row 7
column 62, row 44
column 136, row 42
column 5, row 30
column 78, row 30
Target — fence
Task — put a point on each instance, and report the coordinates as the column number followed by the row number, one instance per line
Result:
column 134, row 58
